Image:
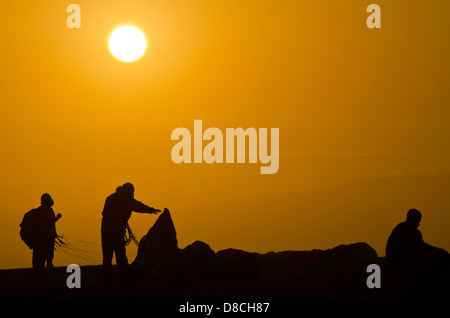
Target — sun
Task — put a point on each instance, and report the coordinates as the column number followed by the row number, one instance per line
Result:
column 127, row 43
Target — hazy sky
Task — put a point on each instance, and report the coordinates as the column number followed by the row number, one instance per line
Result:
column 351, row 103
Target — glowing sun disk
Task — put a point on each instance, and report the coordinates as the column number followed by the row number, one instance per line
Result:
column 127, row 43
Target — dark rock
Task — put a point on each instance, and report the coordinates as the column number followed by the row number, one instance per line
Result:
column 342, row 260
column 197, row 261
column 233, row 264
column 198, row 249
column 159, row 245
column 158, row 253
column 355, row 253
column 339, row 255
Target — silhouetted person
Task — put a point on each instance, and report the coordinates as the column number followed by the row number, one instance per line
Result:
column 116, row 213
column 410, row 255
column 39, row 225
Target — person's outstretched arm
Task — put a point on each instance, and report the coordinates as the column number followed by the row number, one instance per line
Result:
column 140, row 207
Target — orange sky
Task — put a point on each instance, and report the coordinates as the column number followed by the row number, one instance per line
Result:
column 351, row 103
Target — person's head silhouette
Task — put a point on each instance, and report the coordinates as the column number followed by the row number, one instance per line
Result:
column 127, row 190
column 46, row 200
column 413, row 217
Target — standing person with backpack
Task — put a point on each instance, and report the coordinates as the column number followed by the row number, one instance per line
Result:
column 38, row 231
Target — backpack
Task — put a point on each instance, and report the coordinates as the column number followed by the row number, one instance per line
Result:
column 29, row 229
